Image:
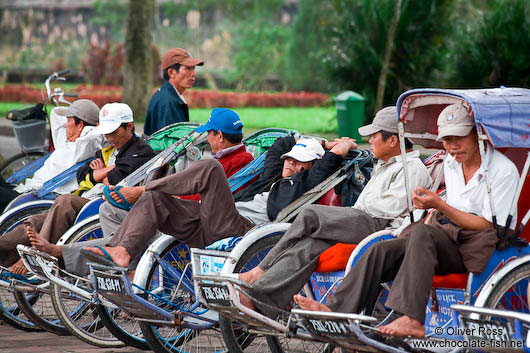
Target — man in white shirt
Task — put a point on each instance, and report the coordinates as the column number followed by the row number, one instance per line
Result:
column 381, row 204
column 74, row 139
column 457, row 237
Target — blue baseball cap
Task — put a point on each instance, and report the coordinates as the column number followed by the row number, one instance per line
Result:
column 222, row 119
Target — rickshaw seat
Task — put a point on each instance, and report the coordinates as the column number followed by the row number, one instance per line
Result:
column 330, row 198
column 452, row 280
column 335, row 258
column 522, row 207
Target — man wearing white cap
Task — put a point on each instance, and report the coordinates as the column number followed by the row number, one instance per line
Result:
column 291, row 168
column 457, row 237
column 381, row 204
column 113, row 163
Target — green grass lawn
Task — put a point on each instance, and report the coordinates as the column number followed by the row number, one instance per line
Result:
column 313, row 120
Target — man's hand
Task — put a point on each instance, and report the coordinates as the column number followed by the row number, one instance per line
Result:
column 131, row 193
column 341, row 146
column 425, row 199
column 100, row 174
column 97, row 164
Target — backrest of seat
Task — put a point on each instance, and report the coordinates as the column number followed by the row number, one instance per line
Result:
column 523, row 206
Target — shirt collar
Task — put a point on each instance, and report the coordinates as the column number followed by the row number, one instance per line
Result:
column 398, row 158
column 226, row 151
column 178, row 93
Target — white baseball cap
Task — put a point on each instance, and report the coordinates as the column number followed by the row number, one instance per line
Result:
column 305, row 150
column 112, row 115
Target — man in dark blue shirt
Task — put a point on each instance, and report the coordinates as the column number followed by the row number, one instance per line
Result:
column 168, row 106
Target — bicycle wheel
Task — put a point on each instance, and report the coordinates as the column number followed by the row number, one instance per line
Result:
column 511, row 293
column 76, row 313
column 167, row 293
column 10, row 312
column 18, row 161
column 237, row 336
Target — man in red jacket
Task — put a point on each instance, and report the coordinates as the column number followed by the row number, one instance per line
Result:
column 225, row 133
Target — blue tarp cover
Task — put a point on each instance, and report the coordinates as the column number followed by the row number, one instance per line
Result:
column 504, row 113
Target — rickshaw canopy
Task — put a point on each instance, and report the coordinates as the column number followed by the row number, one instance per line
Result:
column 502, row 113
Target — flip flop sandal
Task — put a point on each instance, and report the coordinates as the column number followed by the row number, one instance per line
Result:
column 124, row 205
column 99, row 259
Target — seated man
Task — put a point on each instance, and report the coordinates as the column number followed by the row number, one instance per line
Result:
column 74, row 139
column 217, row 216
column 225, row 133
column 458, row 236
column 381, row 204
column 125, row 154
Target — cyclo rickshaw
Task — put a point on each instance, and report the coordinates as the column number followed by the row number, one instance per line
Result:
column 501, row 117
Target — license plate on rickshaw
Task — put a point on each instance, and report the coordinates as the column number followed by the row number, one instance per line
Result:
column 485, row 330
column 328, row 327
column 109, row 283
column 216, row 294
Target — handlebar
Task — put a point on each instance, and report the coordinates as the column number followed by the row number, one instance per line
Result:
column 52, row 96
column 62, row 72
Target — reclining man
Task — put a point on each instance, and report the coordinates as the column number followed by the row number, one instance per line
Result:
column 381, row 204
column 124, row 155
column 225, row 133
column 217, row 216
column 458, row 236
column 74, row 139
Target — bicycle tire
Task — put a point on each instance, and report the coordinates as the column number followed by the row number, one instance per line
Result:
column 18, row 161
column 80, row 317
column 177, row 339
column 9, row 309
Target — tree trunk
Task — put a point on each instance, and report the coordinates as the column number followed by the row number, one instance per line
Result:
column 388, row 54
column 138, row 68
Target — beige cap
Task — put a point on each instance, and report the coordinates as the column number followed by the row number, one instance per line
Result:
column 454, row 120
column 179, row 56
column 386, row 120
column 305, row 150
column 84, row 109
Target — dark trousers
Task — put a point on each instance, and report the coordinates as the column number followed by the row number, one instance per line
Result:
column 290, row 263
column 50, row 225
column 195, row 224
column 410, row 262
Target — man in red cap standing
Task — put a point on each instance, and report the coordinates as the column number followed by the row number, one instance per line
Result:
column 168, row 106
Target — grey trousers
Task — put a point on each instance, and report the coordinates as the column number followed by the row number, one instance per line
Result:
column 289, row 264
column 110, row 218
column 195, row 224
column 411, row 262
column 50, row 225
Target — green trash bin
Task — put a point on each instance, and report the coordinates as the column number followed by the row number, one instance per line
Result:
column 350, row 114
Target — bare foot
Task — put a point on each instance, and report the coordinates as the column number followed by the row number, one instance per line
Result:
column 18, row 268
column 41, row 244
column 118, row 254
column 310, row 304
column 404, row 326
column 251, row 276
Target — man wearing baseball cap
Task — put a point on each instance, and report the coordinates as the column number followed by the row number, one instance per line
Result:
column 217, row 216
column 168, row 105
column 457, row 236
column 124, row 155
column 381, row 204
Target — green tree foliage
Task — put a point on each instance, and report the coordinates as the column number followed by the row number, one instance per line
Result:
column 494, row 50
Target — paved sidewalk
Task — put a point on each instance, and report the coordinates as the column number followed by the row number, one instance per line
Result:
column 18, row 341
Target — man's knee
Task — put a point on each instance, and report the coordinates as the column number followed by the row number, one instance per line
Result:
column 420, row 237
column 65, row 200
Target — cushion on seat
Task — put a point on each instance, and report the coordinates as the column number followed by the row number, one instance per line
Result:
column 335, row 258
column 452, row 280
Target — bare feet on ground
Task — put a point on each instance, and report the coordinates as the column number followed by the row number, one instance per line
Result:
column 404, row 326
column 250, row 277
column 309, row 304
column 41, row 244
column 18, row 268
column 118, row 254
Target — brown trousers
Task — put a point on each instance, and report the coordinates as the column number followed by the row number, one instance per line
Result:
column 290, row 263
column 51, row 225
column 195, row 224
column 410, row 262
